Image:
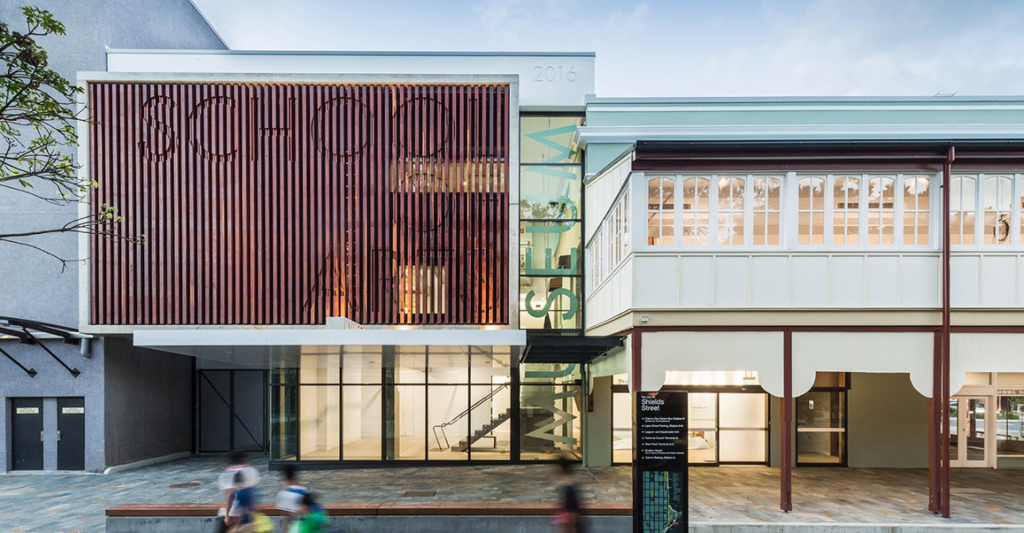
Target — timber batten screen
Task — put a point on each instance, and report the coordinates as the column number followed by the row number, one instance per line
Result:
column 291, row 203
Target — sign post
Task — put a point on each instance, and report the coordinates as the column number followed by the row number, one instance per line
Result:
column 660, row 461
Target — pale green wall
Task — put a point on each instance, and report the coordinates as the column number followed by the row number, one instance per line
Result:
column 600, row 155
column 888, row 422
column 597, row 448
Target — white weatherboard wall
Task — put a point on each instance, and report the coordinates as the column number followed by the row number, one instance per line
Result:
column 759, row 351
column 601, row 193
column 909, row 353
column 613, row 296
column 730, row 280
column 983, row 352
column 554, row 81
column 986, row 279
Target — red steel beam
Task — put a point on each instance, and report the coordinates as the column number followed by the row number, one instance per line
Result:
column 786, row 470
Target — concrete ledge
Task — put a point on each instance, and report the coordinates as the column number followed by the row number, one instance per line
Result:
column 158, row 510
column 531, row 524
column 147, row 462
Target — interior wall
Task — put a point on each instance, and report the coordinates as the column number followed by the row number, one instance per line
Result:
column 148, row 402
column 887, row 424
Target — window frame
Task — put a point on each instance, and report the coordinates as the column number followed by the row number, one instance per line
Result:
column 1016, row 210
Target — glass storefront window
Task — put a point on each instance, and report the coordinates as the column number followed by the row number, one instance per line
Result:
column 361, row 431
column 550, row 401
column 703, row 438
column 319, row 419
column 448, row 421
column 284, row 431
column 1009, row 434
column 491, row 433
column 821, row 428
column 394, row 403
column 361, row 365
column 447, row 366
column 725, row 427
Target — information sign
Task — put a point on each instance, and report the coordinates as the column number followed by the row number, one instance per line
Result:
column 660, row 461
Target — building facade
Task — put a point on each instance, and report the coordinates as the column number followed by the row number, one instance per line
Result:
column 358, row 258
column 784, row 261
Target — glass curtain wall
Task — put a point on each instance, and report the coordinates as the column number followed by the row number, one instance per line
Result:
column 551, row 397
column 551, row 218
column 393, row 403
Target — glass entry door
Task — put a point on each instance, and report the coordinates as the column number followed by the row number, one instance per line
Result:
column 967, row 435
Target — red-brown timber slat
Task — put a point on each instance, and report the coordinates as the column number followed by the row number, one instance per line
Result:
column 291, row 203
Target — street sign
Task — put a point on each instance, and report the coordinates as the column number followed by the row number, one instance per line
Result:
column 660, row 461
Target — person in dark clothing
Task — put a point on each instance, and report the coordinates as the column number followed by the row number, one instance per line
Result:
column 567, row 516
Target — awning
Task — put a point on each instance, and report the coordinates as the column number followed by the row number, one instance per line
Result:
column 557, row 349
column 257, row 346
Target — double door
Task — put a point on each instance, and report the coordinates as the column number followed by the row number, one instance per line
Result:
column 29, row 439
column 969, row 436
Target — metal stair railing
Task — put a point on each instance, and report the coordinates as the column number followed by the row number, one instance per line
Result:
column 490, row 426
column 462, row 415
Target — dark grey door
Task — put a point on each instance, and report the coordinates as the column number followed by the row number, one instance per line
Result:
column 27, row 434
column 71, row 433
column 232, row 410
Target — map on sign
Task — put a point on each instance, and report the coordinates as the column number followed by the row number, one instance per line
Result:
column 663, row 490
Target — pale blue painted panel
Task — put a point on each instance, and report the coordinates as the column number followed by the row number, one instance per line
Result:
column 883, row 281
column 769, row 282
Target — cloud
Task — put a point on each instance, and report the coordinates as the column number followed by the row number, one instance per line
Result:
column 681, row 47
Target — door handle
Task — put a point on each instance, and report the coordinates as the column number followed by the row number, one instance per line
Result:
column 58, row 434
column 41, row 439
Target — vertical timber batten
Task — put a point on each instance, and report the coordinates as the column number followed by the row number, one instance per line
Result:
column 286, row 204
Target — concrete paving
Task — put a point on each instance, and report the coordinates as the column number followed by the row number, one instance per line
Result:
column 75, row 502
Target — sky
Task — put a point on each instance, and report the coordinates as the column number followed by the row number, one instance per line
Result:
column 651, row 48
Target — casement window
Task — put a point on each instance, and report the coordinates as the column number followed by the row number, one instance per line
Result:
column 811, row 210
column 850, row 210
column 766, row 207
column 610, row 244
column 730, row 210
column 696, row 211
column 846, row 210
column 915, row 210
column 984, row 209
column 660, row 210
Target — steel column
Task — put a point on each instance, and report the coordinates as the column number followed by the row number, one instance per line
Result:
column 786, row 470
column 944, row 392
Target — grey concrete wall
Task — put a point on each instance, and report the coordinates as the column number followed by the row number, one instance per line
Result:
column 888, row 422
column 34, row 285
column 54, row 381
column 598, row 440
column 148, row 397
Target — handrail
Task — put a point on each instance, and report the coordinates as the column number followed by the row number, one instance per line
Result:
column 462, row 415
